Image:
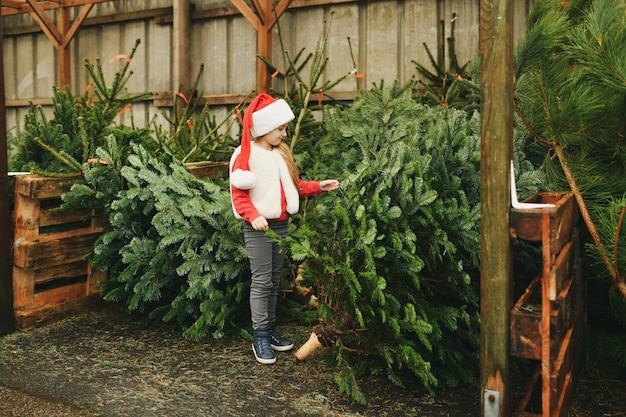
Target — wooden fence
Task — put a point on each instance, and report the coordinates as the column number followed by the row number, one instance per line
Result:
column 378, row 38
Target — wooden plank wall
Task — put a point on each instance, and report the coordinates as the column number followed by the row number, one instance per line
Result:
column 385, row 36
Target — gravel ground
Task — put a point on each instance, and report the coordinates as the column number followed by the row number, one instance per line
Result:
column 104, row 363
column 16, row 403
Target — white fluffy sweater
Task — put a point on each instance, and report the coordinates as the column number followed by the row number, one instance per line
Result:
column 268, row 172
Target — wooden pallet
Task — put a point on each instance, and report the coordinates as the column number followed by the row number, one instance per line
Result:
column 51, row 277
column 548, row 321
column 207, row 169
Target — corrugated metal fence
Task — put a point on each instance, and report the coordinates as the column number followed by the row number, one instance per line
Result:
column 381, row 38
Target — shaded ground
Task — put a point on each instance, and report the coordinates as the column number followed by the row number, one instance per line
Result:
column 105, row 363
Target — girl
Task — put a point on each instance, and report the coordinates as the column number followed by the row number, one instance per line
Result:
column 265, row 188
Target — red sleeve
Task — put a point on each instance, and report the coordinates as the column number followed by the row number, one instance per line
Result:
column 309, row 188
column 243, row 204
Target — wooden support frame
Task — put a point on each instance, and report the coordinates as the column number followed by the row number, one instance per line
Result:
column 263, row 15
column 59, row 33
column 182, row 55
column 13, row 7
column 552, row 334
column 7, row 323
column 262, row 18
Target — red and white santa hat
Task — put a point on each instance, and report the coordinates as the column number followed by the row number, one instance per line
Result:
column 264, row 114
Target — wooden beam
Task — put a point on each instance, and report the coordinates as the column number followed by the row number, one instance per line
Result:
column 13, row 7
column 61, row 33
column 272, row 14
column 63, row 51
column 232, row 11
column 264, row 48
column 166, row 99
column 263, row 20
column 544, row 324
column 496, row 114
column 45, row 23
column 65, row 70
column 164, row 15
column 160, row 16
column 248, row 13
column 7, row 320
column 261, row 10
column 13, row 4
column 80, row 19
column 182, row 57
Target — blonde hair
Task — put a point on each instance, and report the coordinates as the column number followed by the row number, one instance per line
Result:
column 294, row 173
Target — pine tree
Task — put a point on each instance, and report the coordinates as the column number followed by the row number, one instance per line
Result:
column 571, row 96
column 68, row 141
column 192, row 133
column 456, row 86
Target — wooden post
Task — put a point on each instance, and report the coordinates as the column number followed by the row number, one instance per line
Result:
column 496, row 110
column 60, row 34
column 182, row 57
column 263, row 20
column 63, row 50
column 7, row 321
column 264, row 48
column 544, row 325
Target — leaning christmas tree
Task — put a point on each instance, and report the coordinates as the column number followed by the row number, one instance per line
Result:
column 394, row 255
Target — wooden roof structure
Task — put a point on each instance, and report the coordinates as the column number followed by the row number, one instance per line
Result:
column 59, row 33
column 11, row 7
column 262, row 15
column 496, row 137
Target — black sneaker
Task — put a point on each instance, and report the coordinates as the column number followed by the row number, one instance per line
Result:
column 278, row 342
column 262, row 348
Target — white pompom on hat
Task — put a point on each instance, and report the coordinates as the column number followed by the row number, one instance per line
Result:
column 263, row 115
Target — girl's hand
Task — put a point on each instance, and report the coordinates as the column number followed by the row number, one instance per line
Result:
column 329, row 185
column 260, row 223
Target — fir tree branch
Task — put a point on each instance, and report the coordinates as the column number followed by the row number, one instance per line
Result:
column 529, row 127
column 61, row 156
column 210, row 134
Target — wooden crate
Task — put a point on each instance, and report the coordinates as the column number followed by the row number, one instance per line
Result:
column 526, row 223
column 547, row 322
column 51, row 277
column 207, row 169
column 525, row 317
column 561, row 382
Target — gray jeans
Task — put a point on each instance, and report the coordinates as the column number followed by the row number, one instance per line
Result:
column 266, row 262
